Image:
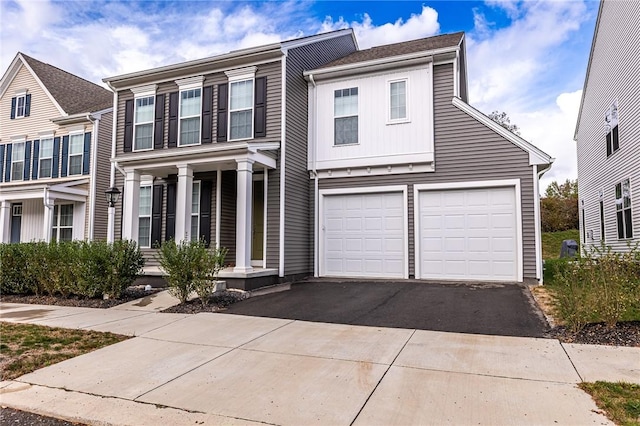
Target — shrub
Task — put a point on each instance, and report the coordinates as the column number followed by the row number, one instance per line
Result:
column 189, row 266
column 14, row 262
column 126, row 265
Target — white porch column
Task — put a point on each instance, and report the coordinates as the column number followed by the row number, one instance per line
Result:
column 243, row 215
column 183, row 203
column 47, row 221
column 5, row 222
column 131, row 205
column 111, row 224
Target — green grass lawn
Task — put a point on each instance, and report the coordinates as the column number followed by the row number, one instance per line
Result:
column 620, row 401
column 552, row 242
column 26, row 347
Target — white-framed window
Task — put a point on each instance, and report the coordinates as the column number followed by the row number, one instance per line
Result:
column 76, row 144
column 398, row 106
column 46, row 158
column 17, row 161
column 143, row 123
column 611, row 128
column 623, row 210
column 345, row 111
column 190, row 109
column 62, row 226
column 241, row 109
column 195, row 211
column 144, row 216
column 21, row 105
column 17, row 210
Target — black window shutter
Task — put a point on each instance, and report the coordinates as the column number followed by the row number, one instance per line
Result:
column 36, row 154
column 128, row 125
column 156, row 215
column 223, row 99
column 260, row 113
column 27, row 105
column 173, row 119
column 615, row 141
column 86, row 153
column 56, row 157
column 65, row 155
column 13, row 108
column 1, row 162
column 158, row 126
column 205, row 211
column 207, row 106
column 27, row 161
column 7, row 170
column 170, row 219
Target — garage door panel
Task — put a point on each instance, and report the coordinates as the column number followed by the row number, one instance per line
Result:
column 468, row 234
column 372, row 235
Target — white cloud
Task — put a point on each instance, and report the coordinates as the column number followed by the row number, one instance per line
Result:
column 420, row 25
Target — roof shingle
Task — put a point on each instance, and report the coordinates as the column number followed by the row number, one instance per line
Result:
column 397, row 49
column 74, row 94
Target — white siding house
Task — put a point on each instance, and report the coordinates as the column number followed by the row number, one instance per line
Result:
column 608, row 131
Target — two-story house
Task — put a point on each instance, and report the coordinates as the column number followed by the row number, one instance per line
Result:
column 408, row 180
column 608, row 132
column 55, row 143
column 216, row 149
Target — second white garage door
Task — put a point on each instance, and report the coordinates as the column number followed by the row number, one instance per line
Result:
column 363, row 235
column 468, row 234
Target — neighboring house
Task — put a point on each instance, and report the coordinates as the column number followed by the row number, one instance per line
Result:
column 55, row 142
column 410, row 181
column 216, row 149
column 608, row 131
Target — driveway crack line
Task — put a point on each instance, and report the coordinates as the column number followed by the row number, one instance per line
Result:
column 571, row 361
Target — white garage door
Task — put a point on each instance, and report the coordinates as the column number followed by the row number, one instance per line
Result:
column 468, row 234
column 363, row 235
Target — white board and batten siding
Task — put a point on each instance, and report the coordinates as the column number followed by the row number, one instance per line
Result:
column 614, row 74
column 379, row 141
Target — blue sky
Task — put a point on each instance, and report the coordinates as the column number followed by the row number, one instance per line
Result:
column 527, row 58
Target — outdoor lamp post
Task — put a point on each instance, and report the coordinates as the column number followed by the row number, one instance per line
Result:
column 112, row 195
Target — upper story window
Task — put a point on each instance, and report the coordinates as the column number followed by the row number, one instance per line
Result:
column 46, row 158
column 20, row 105
column 190, row 107
column 144, row 216
column 398, row 111
column 17, row 161
column 623, row 210
column 143, row 123
column 611, row 128
column 76, row 144
column 195, row 212
column 346, row 116
column 241, row 109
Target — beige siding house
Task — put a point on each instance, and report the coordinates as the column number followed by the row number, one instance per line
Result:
column 608, row 131
column 55, row 137
column 410, row 181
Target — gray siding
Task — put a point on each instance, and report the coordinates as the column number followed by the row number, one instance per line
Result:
column 103, row 141
column 228, row 213
column 273, row 217
column 465, row 150
column 613, row 74
column 298, row 253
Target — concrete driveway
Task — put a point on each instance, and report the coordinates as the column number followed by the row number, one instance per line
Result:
column 495, row 309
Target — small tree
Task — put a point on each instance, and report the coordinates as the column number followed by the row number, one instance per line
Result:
column 503, row 119
column 559, row 207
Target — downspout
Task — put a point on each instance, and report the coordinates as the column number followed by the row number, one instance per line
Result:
column 283, row 174
column 114, row 165
column 49, row 206
column 94, row 163
column 538, row 219
column 316, row 201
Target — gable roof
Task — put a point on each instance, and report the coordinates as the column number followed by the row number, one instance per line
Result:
column 398, row 49
column 69, row 93
column 74, row 94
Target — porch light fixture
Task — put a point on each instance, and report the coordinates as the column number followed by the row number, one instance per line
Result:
column 112, row 194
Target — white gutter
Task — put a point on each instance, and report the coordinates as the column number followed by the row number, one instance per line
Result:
column 111, row 219
column 313, row 140
column 283, row 135
column 537, row 217
column 93, row 166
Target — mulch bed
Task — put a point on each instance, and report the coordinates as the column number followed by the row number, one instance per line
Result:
column 132, row 293
column 218, row 302
column 623, row 334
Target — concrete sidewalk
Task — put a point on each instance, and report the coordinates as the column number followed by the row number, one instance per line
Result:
column 232, row 369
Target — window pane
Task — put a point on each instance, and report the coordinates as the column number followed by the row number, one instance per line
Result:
column 143, row 136
column 619, row 217
column 241, row 95
column 20, row 107
column 66, row 234
column 75, row 165
column 190, row 131
column 346, row 130
column 346, row 102
column 144, row 232
column 241, row 125
column 75, row 144
column 615, row 139
column 195, row 198
column 398, row 100
column 190, row 103
column 46, row 148
column 18, row 151
column 66, row 215
column 195, row 231
column 45, row 168
column 628, row 223
column 144, row 110
column 144, row 207
column 17, row 171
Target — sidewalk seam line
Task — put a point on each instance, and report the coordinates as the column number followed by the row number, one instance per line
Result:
column 571, row 361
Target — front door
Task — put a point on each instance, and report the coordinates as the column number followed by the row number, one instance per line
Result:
column 257, row 231
column 16, row 222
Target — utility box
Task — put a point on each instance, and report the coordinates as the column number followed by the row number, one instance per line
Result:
column 569, row 249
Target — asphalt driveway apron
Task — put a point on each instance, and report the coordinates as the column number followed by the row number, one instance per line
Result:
column 491, row 308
